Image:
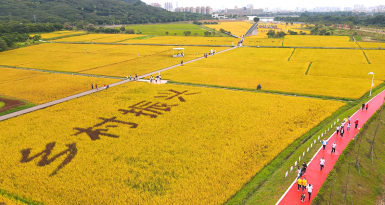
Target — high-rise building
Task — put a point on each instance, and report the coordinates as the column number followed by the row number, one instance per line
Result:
column 168, row 6
column 198, row 10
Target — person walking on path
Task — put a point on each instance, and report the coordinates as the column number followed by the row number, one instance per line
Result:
column 309, row 190
column 367, row 106
column 181, row 62
column 342, row 132
column 356, row 122
column 304, row 183
column 136, row 77
column 349, row 119
column 92, row 86
column 299, row 172
column 363, row 106
column 338, row 129
column 96, row 86
column 334, row 145
column 304, row 166
column 299, row 182
column 324, row 142
column 348, row 127
column 303, row 196
column 130, row 77
column 322, row 163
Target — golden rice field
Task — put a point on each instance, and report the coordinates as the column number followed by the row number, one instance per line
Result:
column 376, row 57
column 252, row 41
column 236, row 28
column 248, row 67
column 199, row 150
column 41, row 87
column 100, row 38
column 98, row 59
column 371, row 44
column 333, row 56
column 58, row 34
column 186, row 40
column 318, row 41
column 345, row 70
column 9, row 201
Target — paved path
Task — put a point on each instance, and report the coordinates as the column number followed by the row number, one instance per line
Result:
column 313, row 174
column 38, row 107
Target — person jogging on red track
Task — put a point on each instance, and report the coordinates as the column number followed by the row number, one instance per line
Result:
column 356, row 122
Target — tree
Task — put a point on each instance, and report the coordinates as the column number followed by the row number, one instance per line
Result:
column 256, row 19
column 187, row 33
column 270, row 33
column 195, row 34
column 166, row 33
column 207, row 33
column 122, row 29
column 174, row 34
column 281, row 34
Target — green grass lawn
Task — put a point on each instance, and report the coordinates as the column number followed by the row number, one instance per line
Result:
column 160, row 29
column 2, row 104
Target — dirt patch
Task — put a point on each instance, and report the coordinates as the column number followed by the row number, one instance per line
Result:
column 9, row 104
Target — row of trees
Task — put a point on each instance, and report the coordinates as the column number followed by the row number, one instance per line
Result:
column 328, row 19
column 8, row 40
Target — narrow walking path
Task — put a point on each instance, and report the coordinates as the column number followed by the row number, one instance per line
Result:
column 45, row 105
column 313, row 175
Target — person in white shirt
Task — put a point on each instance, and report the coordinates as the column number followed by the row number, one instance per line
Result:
column 324, row 142
column 309, row 190
column 348, row 127
column 334, row 145
column 322, row 163
column 338, row 129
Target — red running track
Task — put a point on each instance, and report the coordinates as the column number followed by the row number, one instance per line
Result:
column 313, row 175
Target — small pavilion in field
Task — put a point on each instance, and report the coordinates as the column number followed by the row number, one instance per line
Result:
column 177, row 52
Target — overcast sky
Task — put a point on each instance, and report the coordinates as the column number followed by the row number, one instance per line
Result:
column 284, row 4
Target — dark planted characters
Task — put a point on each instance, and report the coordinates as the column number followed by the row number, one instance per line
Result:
column 173, row 94
column 150, row 109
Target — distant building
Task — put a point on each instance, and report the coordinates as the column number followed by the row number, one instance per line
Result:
column 156, row 5
column 168, row 6
column 243, row 11
column 198, row 10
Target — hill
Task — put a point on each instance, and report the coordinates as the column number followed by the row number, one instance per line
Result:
column 97, row 12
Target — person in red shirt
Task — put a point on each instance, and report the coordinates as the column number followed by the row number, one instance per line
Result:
column 356, row 122
column 367, row 106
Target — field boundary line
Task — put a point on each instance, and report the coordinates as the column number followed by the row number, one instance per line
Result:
column 62, row 72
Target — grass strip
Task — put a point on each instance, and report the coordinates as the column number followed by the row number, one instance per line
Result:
column 291, row 54
column 366, row 57
column 18, row 198
column 266, row 91
column 308, row 68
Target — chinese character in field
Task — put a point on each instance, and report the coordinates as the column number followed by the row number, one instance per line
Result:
column 94, row 134
column 71, row 151
column 174, row 94
column 148, row 109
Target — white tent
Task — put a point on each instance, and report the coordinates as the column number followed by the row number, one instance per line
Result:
column 180, row 52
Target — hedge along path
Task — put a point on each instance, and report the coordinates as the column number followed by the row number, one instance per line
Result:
column 45, row 105
column 313, row 175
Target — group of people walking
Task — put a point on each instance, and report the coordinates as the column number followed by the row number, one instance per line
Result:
column 157, row 79
column 302, row 182
column 98, row 86
column 135, row 77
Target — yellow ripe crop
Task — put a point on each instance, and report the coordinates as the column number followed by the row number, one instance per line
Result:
column 100, row 38
column 200, row 151
column 40, row 87
column 371, row 44
column 318, row 41
column 148, row 63
column 346, row 70
column 236, row 28
column 9, row 201
column 57, row 34
column 99, row 59
column 253, row 41
column 338, row 56
column 187, row 40
column 248, row 67
column 376, row 57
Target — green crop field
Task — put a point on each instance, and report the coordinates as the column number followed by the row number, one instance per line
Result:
column 160, row 29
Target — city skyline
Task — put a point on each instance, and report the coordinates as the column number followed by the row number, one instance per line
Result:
column 284, row 5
